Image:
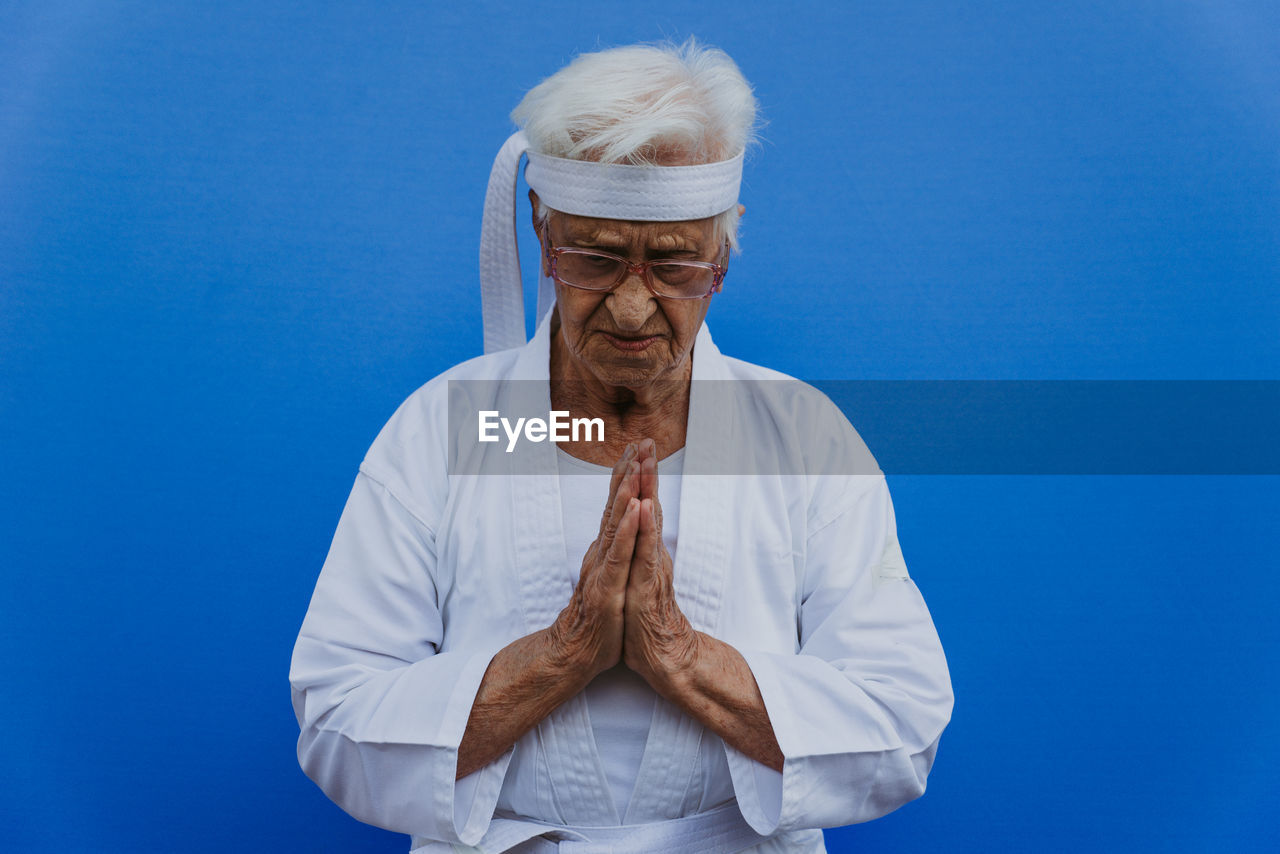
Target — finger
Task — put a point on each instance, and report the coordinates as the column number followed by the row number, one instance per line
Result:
column 649, row 488
column 646, row 447
column 622, row 550
column 649, row 477
column 645, row 559
column 615, row 480
column 619, row 469
column 625, row 492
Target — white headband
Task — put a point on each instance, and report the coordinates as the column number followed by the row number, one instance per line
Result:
column 584, row 188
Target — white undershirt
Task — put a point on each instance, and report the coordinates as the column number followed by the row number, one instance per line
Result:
column 619, row 702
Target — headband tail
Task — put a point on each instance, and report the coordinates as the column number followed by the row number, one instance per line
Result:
column 501, row 292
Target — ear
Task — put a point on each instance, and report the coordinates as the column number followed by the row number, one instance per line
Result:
column 533, row 212
column 538, row 230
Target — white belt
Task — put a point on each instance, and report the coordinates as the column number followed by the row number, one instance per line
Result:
column 720, row 831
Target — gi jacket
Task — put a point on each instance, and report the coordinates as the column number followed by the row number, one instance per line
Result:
column 787, row 551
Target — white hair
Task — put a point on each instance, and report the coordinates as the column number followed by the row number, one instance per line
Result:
column 663, row 104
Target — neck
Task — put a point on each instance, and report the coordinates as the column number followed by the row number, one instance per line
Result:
column 657, row 410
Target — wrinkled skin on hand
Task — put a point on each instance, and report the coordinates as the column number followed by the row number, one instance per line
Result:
column 623, row 610
column 589, row 631
column 624, row 607
column 659, row 642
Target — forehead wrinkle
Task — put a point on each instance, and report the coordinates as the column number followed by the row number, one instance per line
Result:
column 585, row 231
column 657, row 237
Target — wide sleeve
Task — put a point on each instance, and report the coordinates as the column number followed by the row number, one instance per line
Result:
column 381, row 708
column 859, row 709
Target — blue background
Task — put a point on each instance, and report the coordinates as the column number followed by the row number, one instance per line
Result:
column 234, row 236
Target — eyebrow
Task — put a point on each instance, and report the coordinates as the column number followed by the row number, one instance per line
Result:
column 674, row 243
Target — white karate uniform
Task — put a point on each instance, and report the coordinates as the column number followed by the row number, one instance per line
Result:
column 432, row 571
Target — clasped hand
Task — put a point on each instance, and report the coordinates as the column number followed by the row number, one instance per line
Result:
column 624, row 608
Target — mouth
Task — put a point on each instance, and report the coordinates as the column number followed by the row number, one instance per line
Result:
column 630, row 343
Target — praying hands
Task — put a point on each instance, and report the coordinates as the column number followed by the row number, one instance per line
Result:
column 623, row 610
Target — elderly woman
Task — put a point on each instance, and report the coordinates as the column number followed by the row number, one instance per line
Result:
column 713, row 644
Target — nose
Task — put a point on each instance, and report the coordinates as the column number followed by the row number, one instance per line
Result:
column 631, row 304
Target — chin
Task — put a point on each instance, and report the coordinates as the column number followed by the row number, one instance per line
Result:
column 623, row 376
column 626, row 370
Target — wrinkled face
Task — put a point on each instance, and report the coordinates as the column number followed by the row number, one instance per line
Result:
column 629, row 337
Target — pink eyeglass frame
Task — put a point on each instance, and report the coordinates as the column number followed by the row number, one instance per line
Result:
column 642, row 269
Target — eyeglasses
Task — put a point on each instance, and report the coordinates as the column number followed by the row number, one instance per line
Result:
column 667, row 278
